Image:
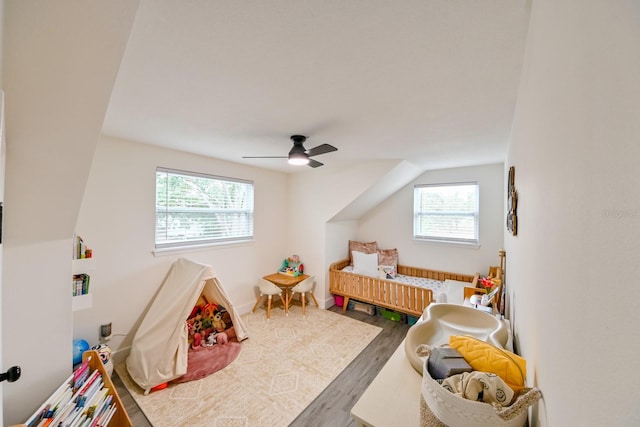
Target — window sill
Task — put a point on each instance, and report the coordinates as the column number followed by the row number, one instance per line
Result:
column 448, row 243
column 198, row 248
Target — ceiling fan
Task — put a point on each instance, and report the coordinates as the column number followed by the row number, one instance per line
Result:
column 298, row 155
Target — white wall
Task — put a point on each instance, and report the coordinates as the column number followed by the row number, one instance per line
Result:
column 2, row 177
column 391, row 224
column 117, row 220
column 59, row 62
column 324, row 194
column 316, row 196
column 573, row 269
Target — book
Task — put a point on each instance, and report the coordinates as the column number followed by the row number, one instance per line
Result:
column 81, row 284
column 80, row 374
column 90, row 380
column 86, row 399
column 45, row 410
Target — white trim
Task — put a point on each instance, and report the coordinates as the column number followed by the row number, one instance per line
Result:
column 194, row 248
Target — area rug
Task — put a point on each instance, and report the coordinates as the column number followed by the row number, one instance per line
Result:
column 282, row 367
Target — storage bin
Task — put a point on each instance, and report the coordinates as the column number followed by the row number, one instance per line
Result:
column 361, row 306
column 391, row 315
column 339, row 300
column 411, row 320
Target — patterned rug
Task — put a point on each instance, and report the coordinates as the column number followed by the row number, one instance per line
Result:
column 282, row 367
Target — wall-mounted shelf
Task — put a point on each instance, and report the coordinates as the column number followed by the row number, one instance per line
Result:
column 82, row 266
column 81, row 302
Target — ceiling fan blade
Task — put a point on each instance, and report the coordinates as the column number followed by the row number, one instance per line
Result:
column 264, row 157
column 321, row 149
column 314, row 164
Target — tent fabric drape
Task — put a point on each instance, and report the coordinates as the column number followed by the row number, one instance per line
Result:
column 159, row 351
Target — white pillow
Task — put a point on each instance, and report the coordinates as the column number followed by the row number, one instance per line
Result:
column 365, row 264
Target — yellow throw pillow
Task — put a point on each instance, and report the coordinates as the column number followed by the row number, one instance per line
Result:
column 486, row 357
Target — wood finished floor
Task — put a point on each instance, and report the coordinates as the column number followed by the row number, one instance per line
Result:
column 333, row 406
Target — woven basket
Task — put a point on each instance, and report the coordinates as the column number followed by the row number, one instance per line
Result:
column 453, row 410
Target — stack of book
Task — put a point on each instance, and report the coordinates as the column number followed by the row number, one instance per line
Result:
column 81, row 401
column 80, row 249
column 80, row 284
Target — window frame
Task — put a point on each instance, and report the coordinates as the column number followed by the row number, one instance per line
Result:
column 417, row 213
column 173, row 244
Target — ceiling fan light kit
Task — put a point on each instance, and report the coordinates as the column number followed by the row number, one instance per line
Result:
column 298, row 155
column 298, row 159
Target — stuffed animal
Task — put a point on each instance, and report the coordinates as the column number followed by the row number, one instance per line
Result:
column 217, row 322
column 190, row 330
column 216, row 338
column 211, row 339
column 197, row 326
column 209, row 310
column 197, row 340
column 222, row 338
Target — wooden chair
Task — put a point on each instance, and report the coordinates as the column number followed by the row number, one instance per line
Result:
column 268, row 289
column 302, row 288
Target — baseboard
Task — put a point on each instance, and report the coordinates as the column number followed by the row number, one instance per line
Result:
column 245, row 308
column 329, row 302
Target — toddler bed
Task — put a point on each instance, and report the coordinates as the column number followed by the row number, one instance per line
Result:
column 410, row 292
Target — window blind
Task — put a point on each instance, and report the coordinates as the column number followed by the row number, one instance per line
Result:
column 196, row 209
column 447, row 212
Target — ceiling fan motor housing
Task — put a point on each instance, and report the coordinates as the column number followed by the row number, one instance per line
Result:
column 297, row 148
column 298, row 155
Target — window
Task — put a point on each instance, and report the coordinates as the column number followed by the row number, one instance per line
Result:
column 196, row 209
column 446, row 212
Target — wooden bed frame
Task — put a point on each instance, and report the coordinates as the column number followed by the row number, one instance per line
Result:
column 408, row 299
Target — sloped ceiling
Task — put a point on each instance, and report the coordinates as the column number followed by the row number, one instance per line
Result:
column 59, row 63
column 431, row 82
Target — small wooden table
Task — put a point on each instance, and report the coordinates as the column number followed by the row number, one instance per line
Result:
column 286, row 282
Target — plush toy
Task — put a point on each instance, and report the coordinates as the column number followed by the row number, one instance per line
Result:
column 103, row 351
column 222, row 338
column 197, row 340
column 217, row 322
column 216, row 338
column 190, row 330
column 197, row 326
column 211, row 339
column 209, row 310
column 194, row 312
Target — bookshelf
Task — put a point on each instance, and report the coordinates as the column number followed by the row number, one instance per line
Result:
column 78, row 267
column 81, row 265
column 120, row 417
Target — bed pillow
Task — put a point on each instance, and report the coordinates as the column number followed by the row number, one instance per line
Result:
column 387, row 272
column 365, row 248
column 389, row 257
column 365, row 264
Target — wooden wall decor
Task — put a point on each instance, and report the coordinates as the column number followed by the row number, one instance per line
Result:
column 512, row 202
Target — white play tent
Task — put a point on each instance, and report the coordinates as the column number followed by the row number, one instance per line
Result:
column 159, row 351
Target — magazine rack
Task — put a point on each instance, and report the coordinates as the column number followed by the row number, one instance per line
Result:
column 120, row 417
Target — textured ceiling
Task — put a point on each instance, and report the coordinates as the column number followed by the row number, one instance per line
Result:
column 431, row 82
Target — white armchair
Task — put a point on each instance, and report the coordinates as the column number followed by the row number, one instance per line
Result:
column 269, row 289
column 304, row 287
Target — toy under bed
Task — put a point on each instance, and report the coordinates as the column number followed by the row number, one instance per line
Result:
column 412, row 290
